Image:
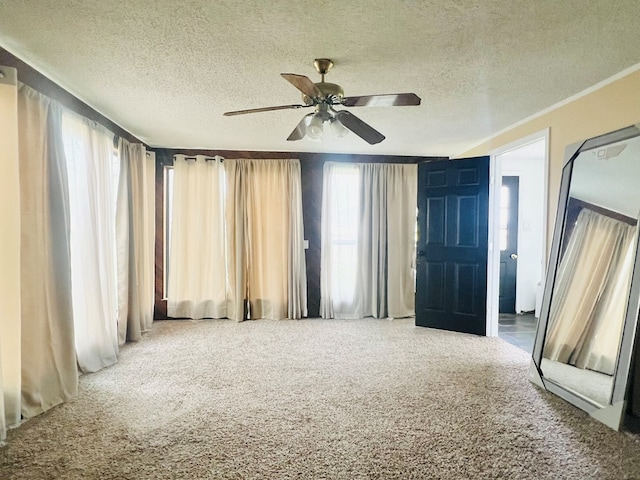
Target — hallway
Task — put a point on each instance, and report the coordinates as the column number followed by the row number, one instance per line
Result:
column 518, row 329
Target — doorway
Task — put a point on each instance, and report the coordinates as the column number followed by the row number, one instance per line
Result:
column 517, row 267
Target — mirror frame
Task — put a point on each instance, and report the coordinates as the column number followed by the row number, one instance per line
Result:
column 613, row 414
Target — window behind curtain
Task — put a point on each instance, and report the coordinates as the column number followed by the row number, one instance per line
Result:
column 343, row 219
column 368, row 240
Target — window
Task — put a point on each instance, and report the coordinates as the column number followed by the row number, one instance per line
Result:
column 504, row 217
column 343, row 206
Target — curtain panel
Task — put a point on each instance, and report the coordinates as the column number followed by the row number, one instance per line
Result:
column 135, row 239
column 382, row 201
column 49, row 369
column 402, row 212
column 237, row 239
column 339, row 237
column 267, row 266
column 197, row 280
column 10, row 331
column 89, row 151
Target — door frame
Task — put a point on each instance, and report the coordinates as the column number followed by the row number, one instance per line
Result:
column 493, row 254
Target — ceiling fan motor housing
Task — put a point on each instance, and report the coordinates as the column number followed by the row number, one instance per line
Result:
column 331, row 94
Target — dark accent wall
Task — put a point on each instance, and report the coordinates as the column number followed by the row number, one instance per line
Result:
column 311, row 172
column 30, row 76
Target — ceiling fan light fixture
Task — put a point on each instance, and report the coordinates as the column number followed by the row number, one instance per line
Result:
column 338, row 129
column 315, row 127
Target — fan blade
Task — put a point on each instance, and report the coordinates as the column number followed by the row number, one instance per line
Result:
column 389, row 100
column 357, row 126
column 300, row 130
column 302, row 83
column 263, row 109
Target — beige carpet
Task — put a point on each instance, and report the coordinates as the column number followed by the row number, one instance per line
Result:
column 316, row 399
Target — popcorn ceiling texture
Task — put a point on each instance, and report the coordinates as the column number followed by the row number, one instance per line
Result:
column 166, row 71
column 359, row 399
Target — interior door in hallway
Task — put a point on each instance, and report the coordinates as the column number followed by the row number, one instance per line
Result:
column 508, row 243
column 451, row 264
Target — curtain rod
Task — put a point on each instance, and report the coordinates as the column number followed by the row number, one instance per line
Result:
column 207, row 159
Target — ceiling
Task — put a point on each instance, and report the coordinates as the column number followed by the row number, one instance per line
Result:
column 166, row 71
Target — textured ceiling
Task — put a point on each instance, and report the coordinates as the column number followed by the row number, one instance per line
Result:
column 166, row 71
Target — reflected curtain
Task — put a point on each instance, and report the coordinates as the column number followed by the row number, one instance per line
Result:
column 135, row 231
column 385, row 246
column 197, row 284
column 92, row 192
column 49, row 371
column 598, row 349
column 10, row 347
column 584, row 300
column 267, row 268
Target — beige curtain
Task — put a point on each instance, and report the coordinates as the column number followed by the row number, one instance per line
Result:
column 401, row 211
column 10, row 382
column 49, row 370
column 598, row 349
column 382, row 281
column 135, row 232
column 267, row 267
column 197, row 283
column 236, row 220
column 595, row 252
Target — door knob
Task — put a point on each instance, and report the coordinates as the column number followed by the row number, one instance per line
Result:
column 514, row 256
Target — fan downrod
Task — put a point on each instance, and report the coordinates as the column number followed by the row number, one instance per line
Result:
column 322, row 65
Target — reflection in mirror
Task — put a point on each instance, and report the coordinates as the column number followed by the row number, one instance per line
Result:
column 592, row 284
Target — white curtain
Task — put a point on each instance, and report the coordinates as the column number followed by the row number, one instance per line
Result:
column 267, row 267
column 49, row 370
column 135, row 230
column 378, row 281
column 584, row 298
column 339, row 242
column 92, row 191
column 197, row 280
column 9, row 254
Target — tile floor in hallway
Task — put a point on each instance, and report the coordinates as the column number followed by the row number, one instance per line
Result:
column 518, row 329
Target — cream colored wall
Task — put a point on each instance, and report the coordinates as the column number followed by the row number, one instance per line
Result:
column 613, row 106
column 9, row 248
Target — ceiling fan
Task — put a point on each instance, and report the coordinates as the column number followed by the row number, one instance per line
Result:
column 324, row 96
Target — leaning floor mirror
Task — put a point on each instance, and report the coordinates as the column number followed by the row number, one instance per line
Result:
column 585, row 339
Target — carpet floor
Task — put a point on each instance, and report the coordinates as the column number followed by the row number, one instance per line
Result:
column 316, row 399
